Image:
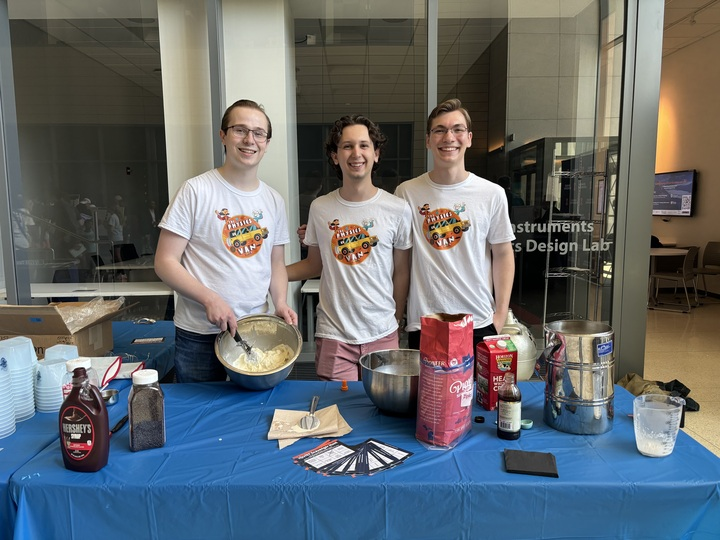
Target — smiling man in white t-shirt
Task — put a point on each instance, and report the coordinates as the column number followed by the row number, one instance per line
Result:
column 222, row 246
column 359, row 237
column 462, row 258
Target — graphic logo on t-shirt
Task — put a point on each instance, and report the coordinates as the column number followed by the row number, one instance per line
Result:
column 242, row 235
column 352, row 244
column 443, row 228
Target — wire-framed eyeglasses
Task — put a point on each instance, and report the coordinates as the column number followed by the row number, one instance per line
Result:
column 458, row 131
column 241, row 131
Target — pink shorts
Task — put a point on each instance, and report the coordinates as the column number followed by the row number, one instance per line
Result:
column 339, row 361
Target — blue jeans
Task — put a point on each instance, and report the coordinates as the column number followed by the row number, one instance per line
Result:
column 195, row 359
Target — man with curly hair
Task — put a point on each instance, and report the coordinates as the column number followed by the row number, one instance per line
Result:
column 358, row 239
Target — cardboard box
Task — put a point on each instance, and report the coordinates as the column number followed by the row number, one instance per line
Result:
column 494, row 357
column 45, row 326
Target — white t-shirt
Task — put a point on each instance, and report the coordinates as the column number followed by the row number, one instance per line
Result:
column 356, row 242
column 20, row 222
column 230, row 236
column 453, row 228
column 114, row 227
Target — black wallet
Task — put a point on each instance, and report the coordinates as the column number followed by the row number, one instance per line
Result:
column 524, row 462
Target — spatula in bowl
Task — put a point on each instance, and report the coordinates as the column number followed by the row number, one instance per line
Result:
column 251, row 356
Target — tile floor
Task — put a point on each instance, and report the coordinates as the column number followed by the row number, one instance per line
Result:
column 686, row 347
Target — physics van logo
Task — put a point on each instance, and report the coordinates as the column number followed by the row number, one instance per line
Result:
column 242, row 235
column 443, row 228
column 352, row 244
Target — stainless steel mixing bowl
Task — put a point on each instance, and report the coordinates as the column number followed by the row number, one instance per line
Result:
column 263, row 332
column 390, row 379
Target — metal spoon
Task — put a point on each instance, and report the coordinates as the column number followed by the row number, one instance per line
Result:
column 310, row 421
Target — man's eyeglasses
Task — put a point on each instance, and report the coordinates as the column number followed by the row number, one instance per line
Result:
column 458, row 131
column 241, row 131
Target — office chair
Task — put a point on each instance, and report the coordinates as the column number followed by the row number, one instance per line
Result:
column 127, row 252
column 710, row 263
column 683, row 276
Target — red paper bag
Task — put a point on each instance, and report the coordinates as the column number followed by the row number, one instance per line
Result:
column 445, row 385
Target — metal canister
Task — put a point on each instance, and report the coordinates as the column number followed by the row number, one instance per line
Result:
column 579, row 382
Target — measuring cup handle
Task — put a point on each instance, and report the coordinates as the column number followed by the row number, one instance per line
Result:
column 314, row 404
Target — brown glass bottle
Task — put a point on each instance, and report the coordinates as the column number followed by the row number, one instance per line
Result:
column 509, row 409
column 84, row 431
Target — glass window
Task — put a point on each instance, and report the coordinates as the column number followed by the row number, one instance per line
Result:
column 89, row 105
column 541, row 82
column 370, row 60
column 541, row 85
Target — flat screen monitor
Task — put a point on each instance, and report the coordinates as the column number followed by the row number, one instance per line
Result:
column 674, row 193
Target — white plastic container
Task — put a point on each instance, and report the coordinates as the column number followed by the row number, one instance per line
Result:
column 146, row 411
column 525, row 345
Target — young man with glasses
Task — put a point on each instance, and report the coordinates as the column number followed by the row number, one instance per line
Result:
column 462, row 258
column 358, row 239
column 222, row 246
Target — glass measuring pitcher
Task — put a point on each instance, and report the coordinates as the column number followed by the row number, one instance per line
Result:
column 656, row 419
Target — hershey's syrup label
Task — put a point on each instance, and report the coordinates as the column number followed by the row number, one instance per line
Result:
column 78, row 433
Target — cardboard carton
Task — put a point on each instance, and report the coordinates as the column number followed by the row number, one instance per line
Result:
column 494, row 356
column 45, row 326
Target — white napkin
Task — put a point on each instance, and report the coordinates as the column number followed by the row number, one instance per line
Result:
column 128, row 368
column 285, row 426
column 113, row 367
column 107, row 368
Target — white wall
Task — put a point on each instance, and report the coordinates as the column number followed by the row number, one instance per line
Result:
column 186, row 89
column 552, row 74
column 259, row 65
column 688, row 139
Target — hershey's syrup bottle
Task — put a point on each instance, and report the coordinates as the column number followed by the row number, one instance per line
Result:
column 84, row 431
column 509, row 409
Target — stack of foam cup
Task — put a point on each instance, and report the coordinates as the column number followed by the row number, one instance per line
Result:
column 7, row 405
column 49, row 377
column 19, row 354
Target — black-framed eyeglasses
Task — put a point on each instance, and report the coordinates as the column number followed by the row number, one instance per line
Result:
column 458, row 131
column 241, row 131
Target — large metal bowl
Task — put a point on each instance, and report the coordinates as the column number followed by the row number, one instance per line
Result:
column 390, row 379
column 264, row 332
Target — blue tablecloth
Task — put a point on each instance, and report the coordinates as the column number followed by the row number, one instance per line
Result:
column 29, row 438
column 36, row 433
column 159, row 356
column 219, row 477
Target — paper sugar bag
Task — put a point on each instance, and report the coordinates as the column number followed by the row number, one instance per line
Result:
column 445, row 386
